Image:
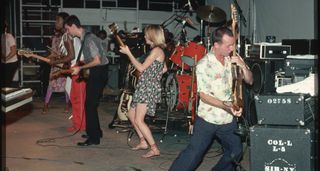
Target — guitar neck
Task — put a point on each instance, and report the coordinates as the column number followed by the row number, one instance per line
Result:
column 119, row 40
column 45, row 60
column 40, row 58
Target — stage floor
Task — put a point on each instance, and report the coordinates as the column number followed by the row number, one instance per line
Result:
column 40, row 142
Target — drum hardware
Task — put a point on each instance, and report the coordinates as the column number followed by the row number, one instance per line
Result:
column 176, row 57
column 191, row 51
column 185, row 21
column 177, row 90
column 211, row 14
column 192, row 106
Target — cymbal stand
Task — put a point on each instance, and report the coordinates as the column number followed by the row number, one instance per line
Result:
column 169, row 108
column 192, row 99
column 201, row 30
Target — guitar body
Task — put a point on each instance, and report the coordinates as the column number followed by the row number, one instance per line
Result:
column 124, row 105
column 83, row 74
column 60, row 73
column 134, row 76
column 237, row 75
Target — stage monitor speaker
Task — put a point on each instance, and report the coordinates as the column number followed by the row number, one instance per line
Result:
column 285, row 109
column 275, row 148
column 263, row 71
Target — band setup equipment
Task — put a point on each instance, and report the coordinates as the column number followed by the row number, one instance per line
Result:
column 270, row 118
column 179, row 87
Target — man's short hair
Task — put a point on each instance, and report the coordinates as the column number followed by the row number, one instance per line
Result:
column 72, row 19
column 63, row 15
column 217, row 35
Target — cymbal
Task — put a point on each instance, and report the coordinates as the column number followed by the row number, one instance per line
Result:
column 211, row 14
column 186, row 21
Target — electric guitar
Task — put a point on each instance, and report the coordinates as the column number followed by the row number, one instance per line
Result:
column 126, row 95
column 83, row 73
column 28, row 53
column 59, row 73
column 237, row 97
column 64, row 69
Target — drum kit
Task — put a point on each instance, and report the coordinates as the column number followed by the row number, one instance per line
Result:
column 180, row 81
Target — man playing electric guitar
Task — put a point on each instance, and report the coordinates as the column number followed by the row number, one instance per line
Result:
column 69, row 48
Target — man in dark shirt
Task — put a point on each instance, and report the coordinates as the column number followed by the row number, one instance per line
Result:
column 95, row 61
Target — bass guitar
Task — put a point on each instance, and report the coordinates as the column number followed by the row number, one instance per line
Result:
column 237, row 97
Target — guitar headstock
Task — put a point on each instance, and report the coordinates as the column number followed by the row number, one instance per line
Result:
column 113, row 28
column 25, row 52
column 234, row 14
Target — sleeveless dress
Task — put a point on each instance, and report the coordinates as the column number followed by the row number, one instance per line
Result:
column 148, row 88
column 57, row 85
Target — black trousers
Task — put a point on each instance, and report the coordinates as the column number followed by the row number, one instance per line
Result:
column 8, row 70
column 94, row 88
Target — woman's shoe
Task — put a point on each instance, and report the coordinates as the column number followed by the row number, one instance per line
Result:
column 154, row 151
column 141, row 146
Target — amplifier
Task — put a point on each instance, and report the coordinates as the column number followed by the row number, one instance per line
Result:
column 282, row 148
column 300, row 67
column 268, row 51
column 302, row 46
column 284, row 109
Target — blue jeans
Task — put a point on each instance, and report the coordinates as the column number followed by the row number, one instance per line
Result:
column 202, row 138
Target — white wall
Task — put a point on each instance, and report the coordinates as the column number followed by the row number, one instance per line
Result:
column 285, row 19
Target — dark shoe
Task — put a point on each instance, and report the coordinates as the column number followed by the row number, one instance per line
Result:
column 84, row 136
column 87, row 136
column 87, row 143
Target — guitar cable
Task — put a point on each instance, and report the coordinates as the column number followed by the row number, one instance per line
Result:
column 47, row 140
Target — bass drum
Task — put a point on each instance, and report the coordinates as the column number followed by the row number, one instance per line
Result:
column 176, row 57
column 178, row 91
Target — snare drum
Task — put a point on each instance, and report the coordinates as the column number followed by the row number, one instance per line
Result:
column 193, row 52
column 178, row 90
column 176, row 57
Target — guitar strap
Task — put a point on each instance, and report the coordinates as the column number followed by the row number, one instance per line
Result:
column 80, row 51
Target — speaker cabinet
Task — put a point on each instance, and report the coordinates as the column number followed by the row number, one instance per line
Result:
column 263, row 71
column 282, row 148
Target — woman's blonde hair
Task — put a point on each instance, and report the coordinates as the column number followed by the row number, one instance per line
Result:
column 156, row 35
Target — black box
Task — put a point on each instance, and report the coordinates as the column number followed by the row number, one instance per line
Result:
column 302, row 46
column 268, row 51
column 275, row 148
column 284, row 109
